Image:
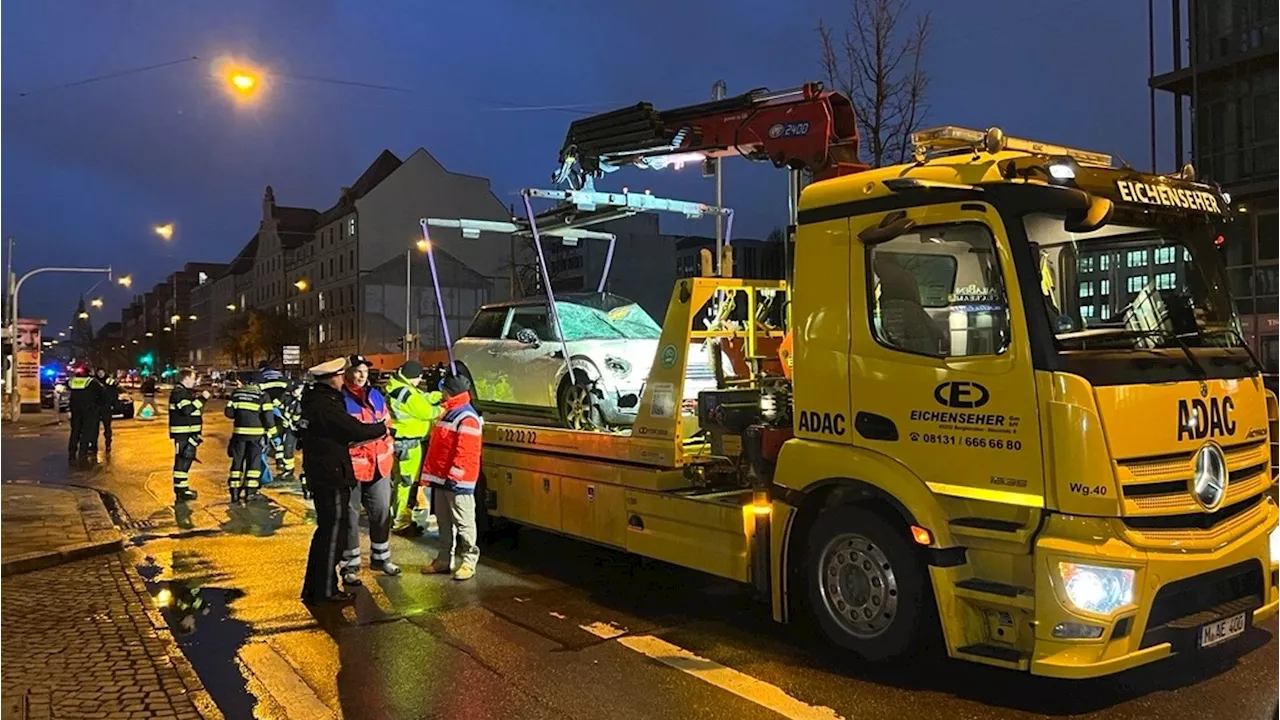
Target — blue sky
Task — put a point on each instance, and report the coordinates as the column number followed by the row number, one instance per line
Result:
column 88, row 170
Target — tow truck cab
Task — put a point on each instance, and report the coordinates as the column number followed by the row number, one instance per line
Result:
column 1020, row 368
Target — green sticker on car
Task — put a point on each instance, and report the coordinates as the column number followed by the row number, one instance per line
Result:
column 669, row 357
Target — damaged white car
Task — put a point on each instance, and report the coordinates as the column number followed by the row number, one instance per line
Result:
column 516, row 364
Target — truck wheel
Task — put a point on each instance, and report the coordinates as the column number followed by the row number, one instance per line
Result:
column 865, row 586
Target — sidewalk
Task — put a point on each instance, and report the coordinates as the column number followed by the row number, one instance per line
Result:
column 42, row 526
column 81, row 636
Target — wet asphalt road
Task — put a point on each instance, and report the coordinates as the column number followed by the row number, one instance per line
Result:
column 533, row 635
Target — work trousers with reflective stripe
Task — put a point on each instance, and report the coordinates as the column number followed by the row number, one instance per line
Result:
column 289, row 445
column 333, row 518
column 246, row 452
column 407, row 468
column 456, row 514
column 182, row 460
column 376, row 497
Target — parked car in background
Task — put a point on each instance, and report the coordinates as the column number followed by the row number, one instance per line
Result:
column 48, row 386
column 515, row 359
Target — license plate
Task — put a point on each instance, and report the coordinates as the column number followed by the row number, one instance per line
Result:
column 1222, row 630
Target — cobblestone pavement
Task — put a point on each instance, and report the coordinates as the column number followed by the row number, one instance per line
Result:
column 80, row 641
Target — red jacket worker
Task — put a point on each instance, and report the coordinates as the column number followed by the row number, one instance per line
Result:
column 452, row 467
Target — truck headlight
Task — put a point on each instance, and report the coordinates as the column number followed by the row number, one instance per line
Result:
column 1094, row 589
column 619, row 367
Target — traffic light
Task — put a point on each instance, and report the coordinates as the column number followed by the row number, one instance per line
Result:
column 146, row 360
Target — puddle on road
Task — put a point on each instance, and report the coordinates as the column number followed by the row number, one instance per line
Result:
column 200, row 618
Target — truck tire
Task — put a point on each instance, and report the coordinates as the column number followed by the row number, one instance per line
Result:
column 865, row 587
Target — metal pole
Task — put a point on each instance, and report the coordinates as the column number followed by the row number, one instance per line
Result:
column 718, row 90
column 1151, row 72
column 546, row 280
column 435, row 284
column 408, row 292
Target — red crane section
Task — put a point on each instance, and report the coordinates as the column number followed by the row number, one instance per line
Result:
column 806, row 128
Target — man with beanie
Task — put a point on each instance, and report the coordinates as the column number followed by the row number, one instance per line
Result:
column 412, row 412
column 371, row 461
column 453, row 467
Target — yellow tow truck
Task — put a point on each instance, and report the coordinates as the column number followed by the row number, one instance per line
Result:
column 1005, row 395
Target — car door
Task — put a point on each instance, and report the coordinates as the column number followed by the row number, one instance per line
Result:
column 532, row 345
column 479, row 351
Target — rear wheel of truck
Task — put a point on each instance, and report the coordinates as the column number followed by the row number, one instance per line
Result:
column 866, row 589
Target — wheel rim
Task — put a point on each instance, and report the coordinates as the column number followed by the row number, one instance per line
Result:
column 858, row 585
column 578, row 408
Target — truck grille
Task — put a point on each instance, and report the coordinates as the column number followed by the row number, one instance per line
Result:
column 1160, row 486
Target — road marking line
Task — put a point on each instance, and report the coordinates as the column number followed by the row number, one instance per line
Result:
column 744, row 686
column 557, row 615
column 605, row 630
column 283, row 683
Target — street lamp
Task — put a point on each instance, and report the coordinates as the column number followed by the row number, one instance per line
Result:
column 167, row 328
column 165, row 231
column 192, row 317
column 301, row 285
column 96, row 302
column 150, row 334
column 174, row 319
column 231, row 307
column 125, row 280
column 61, row 334
column 83, row 315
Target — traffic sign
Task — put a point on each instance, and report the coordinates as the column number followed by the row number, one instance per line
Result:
column 292, row 355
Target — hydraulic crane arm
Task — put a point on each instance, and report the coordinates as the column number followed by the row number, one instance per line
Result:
column 806, row 128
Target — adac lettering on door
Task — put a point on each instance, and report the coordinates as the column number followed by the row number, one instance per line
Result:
column 1208, row 418
column 822, row 423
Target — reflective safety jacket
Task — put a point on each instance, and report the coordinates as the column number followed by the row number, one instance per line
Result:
column 412, row 409
column 184, row 412
column 86, row 395
column 252, row 412
column 289, row 409
column 372, row 458
column 453, row 456
column 272, row 383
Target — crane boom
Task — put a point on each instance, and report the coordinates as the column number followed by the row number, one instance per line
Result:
column 805, row 128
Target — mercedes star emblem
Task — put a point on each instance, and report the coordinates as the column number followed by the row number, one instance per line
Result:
column 1209, row 483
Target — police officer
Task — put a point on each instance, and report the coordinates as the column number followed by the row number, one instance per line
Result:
column 326, row 432
column 185, row 427
column 110, row 395
column 86, row 408
column 253, row 417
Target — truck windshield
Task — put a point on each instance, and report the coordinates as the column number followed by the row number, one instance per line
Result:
column 1130, row 287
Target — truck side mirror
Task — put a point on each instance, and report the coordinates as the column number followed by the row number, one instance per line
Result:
column 1088, row 219
column 893, row 225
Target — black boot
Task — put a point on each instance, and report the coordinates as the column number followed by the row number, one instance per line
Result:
column 184, row 494
column 251, row 495
column 235, row 495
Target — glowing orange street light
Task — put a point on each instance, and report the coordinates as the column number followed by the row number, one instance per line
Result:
column 165, row 231
column 243, row 81
column 96, row 302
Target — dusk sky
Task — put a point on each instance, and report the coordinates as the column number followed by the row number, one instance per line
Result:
column 87, row 170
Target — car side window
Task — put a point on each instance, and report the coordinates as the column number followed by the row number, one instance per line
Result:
column 488, row 324
column 532, row 318
column 937, row 291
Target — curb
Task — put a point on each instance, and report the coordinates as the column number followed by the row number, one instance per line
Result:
column 103, row 535
column 39, row 561
column 200, row 697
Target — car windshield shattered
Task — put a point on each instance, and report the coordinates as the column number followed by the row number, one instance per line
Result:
column 605, row 317
column 1128, row 287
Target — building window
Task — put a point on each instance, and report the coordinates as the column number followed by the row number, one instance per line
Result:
column 1106, row 312
column 1104, row 262
column 1166, row 255
column 204, row 278
column 330, row 267
column 1087, row 311
column 1166, row 281
column 340, row 268
column 351, row 226
column 320, row 297
column 1086, row 289
column 1135, row 283
column 1136, row 258
column 1085, row 265
column 1104, row 287
column 320, row 331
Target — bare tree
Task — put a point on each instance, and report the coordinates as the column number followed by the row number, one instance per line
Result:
column 877, row 64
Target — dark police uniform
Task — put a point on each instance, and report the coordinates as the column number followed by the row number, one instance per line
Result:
column 110, row 394
column 86, row 408
column 254, row 421
column 185, row 426
column 326, row 432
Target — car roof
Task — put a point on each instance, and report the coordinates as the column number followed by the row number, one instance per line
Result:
column 604, row 301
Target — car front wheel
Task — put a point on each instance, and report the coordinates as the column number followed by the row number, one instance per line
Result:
column 579, row 408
